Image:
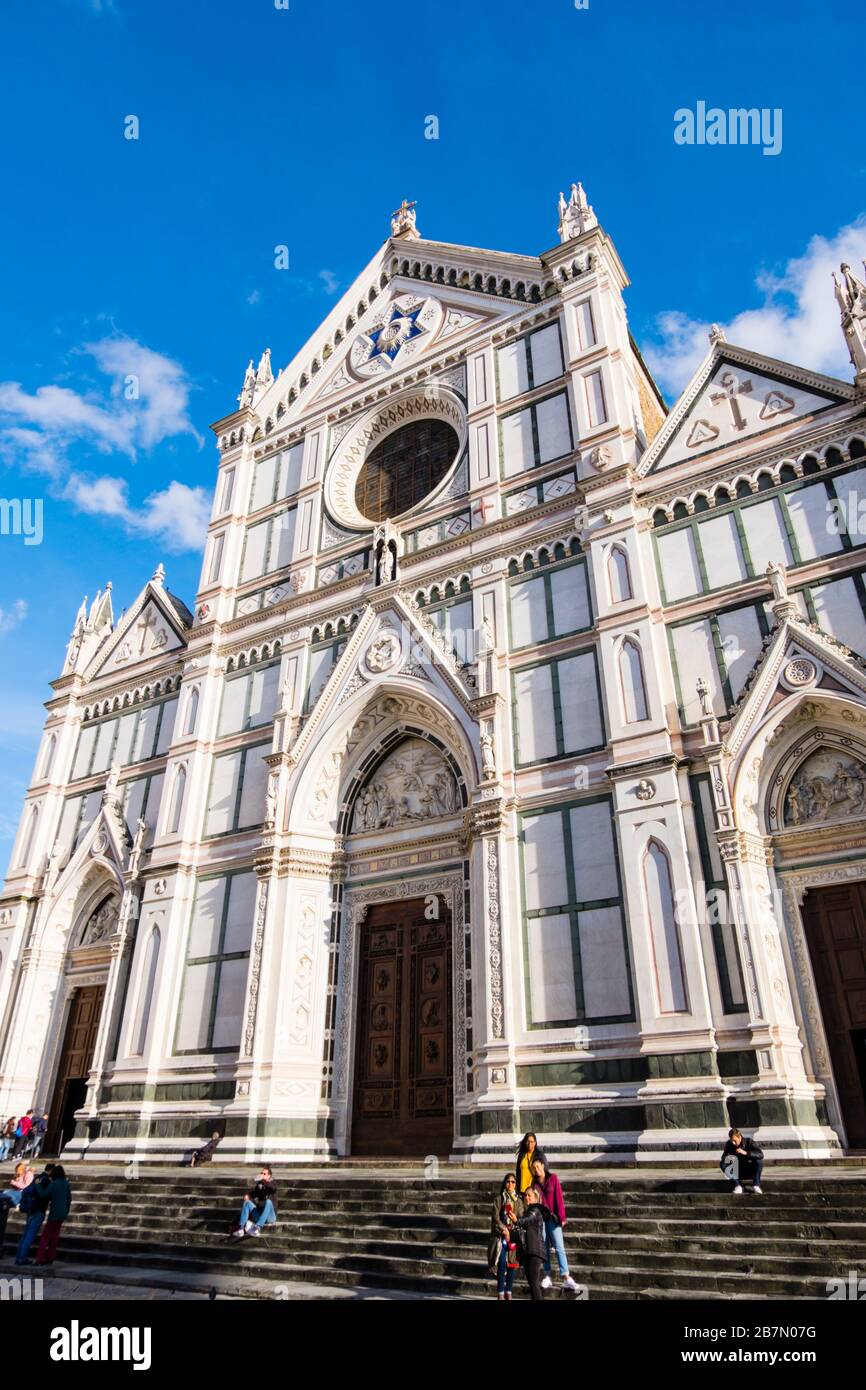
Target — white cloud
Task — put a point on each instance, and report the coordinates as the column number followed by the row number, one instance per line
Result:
column 177, row 516
column 60, row 411
column 159, row 407
column 330, row 281
column 254, row 297
column 798, row 320
column 10, row 618
column 146, row 402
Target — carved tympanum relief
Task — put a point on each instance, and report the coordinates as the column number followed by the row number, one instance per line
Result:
column 413, row 784
column 827, row 787
column 102, row 922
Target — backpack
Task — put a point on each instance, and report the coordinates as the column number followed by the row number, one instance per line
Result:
column 28, row 1199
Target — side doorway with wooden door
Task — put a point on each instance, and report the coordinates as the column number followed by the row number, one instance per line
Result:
column 835, row 922
column 76, row 1058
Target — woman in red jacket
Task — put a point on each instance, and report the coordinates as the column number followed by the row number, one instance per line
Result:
column 549, row 1188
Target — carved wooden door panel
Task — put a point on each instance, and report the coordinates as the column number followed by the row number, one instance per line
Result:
column 403, row 1097
column 76, row 1058
column 835, row 920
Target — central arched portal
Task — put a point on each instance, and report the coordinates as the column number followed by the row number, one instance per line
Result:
column 403, row 1093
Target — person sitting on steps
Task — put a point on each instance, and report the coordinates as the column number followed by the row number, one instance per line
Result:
column 742, row 1158
column 206, row 1153
column 260, row 1199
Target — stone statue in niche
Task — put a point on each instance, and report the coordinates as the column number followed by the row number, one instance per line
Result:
column 488, row 754
column 385, row 551
column 102, row 922
column 414, row 784
column 826, row 788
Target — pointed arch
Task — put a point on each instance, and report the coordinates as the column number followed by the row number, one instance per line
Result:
column 618, row 575
column 191, row 711
column 178, row 793
column 29, row 837
column 147, row 986
column 48, row 756
column 660, row 899
column 632, row 682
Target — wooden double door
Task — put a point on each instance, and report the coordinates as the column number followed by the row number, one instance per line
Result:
column 76, row 1058
column 403, row 1091
column 835, row 921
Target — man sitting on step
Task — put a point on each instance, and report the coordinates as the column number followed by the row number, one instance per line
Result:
column 742, row 1158
column 260, row 1200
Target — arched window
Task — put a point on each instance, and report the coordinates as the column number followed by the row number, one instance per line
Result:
column 29, row 837
column 145, row 997
column 663, row 930
column 191, row 710
column 177, row 801
column 632, row 685
column 48, row 760
column 618, row 576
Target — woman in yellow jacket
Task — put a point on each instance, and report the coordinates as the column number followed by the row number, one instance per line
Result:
column 527, row 1153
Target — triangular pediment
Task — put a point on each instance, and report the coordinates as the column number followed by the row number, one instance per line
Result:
column 360, row 342
column 800, row 659
column 104, row 842
column 152, row 627
column 391, row 640
column 737, row 395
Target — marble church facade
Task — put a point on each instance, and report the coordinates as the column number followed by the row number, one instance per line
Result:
column 508, row 772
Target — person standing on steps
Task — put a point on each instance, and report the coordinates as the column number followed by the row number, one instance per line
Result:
column 527, row 1152
column 259, row 1200
column 40, row 1129
column 22, row 1133
column 59, row 1196
column 7, row 1138
column 742, row 1158
column 531, row 1231
column 550, row 1191
column 34, row 1204
column 502, row 1252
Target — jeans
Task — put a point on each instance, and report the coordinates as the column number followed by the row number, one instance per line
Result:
column 5, row 1148
column 555, row 1239
column 266, row 1217
column 48, row 1242
column 13, row 1193
column 31, row 1231
column 752, row 1167
column 504, row 1275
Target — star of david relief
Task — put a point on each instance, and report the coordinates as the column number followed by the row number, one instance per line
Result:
column 404, row 327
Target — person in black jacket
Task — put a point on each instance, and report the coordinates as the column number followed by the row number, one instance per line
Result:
column 34, row 1203
column 258, row 1208
column 533, row 1241
column 742, row 1158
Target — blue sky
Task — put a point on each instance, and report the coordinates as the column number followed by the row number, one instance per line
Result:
column 262, row 126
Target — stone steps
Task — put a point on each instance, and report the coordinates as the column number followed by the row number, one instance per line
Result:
column 675, row 1239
